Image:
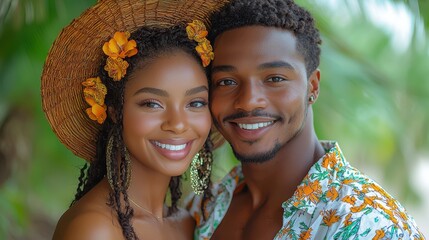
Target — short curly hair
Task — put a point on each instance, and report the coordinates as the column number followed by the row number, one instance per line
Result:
column 285, row 14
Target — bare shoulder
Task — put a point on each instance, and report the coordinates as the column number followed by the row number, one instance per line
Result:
column 86, row 224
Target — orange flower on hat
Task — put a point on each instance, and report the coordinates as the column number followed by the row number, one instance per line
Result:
column 119, row 46
column 205, row 51
column 196, row 31
column 116, row 68
column 97, row 113
column 94, row 93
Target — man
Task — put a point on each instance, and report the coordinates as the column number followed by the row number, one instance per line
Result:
column 290, row 185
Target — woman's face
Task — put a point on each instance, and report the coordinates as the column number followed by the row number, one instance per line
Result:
column 166, row 116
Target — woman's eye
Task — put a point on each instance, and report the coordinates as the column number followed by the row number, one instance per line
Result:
column 150, row 104
column 226, row 82
column 276, row 79
column 198, row 104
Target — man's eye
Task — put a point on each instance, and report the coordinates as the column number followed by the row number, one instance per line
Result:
column 276, row 79
column 226, row 82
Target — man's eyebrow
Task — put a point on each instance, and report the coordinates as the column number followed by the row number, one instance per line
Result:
column 196, row 90
column 276, row 64
column 223, row 68
column 155, row 91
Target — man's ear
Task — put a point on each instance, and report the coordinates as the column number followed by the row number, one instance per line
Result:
column 112, row 113
column 313, row 85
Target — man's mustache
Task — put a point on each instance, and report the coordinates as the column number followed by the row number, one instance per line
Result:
column 254, row 113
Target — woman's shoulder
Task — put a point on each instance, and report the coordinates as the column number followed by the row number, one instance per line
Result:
column 89, row 218
column 82, row 222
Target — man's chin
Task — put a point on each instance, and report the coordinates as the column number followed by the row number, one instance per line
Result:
column 259, row 157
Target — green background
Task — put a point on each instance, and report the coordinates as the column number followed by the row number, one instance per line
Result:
column 373, row 100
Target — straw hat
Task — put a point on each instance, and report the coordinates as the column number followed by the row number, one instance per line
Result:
column 77, row 53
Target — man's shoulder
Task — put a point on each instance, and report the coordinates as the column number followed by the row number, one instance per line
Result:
column 362, row 202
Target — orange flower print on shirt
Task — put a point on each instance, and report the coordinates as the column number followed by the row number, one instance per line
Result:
column 305, row 235
column 330, row 217
column 119, row 46
column 379, row 234
column 347, row 221
column 332, row 194
column 350, row 200
column 348, row 181
column 329, row 160
column 310, row 191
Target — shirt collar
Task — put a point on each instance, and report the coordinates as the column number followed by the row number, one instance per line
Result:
column 317, row 183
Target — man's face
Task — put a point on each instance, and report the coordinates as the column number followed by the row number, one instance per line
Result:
column 259, row 90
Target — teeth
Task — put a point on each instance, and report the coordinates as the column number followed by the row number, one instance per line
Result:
column 170, row 146
column 254, row 126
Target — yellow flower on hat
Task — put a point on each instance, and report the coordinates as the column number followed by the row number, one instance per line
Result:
column 205, row 51
column 196, row 31
column 97, row 113
column 116, row 68
column 94, row 93
column 94, row 90
column 119, row 46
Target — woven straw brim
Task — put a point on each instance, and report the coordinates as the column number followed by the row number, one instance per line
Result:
column 77, row 53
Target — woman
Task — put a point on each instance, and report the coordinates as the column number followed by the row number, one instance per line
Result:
column 135, row 106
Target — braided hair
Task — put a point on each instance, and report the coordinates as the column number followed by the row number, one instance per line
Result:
column 284, row 14
column 151, row 43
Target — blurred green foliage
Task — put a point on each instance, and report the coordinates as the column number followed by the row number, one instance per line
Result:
column 373, row 101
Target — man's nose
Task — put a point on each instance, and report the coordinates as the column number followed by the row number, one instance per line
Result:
column 251, row 96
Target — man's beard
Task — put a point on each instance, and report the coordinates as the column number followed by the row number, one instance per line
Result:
column 268, row 155
column 260, row 157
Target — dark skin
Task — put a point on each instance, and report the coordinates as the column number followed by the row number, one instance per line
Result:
column 91, row 218
column 259, row 73
column 156, row 113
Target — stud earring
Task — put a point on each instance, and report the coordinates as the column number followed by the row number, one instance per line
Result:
column 311, row 99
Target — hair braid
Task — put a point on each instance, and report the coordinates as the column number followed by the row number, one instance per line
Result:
column 175, row 193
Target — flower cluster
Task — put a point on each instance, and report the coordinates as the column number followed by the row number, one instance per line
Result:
column 117, row 48
column 94, row 93
column 197, row 31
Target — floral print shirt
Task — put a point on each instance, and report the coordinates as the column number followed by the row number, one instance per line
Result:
column 334, row 201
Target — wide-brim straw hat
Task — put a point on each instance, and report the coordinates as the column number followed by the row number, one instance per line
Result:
column 77, row 53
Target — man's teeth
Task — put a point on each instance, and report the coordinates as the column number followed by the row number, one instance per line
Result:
column 170, row 146
column 254, row 125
